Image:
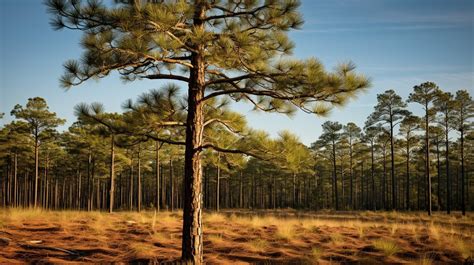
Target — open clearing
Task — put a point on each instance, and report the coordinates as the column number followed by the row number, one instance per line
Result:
column 281, row 237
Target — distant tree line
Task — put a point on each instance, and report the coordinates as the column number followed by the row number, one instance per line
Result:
column 118, row 161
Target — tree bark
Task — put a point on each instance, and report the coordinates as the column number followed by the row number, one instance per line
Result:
column 336, row 198
column 438, row 168
column 192, row 247
column 36, row 171
column 372, row 173
column 463, row 201
column 218, row 176
column 351, row 176
column 157, row 172
column 408, row 174
column 448, row 178
column 112, row 176
column 15, row 180
column 427, row 162
column 139, row 193
column 392, row 168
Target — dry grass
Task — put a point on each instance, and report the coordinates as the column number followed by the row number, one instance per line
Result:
column 389, row 248
column 316, row 253
column 240, row 237
column 142, row 250
column 257, row 245
column 285, row 232
column 466, row 249
column 214, row 218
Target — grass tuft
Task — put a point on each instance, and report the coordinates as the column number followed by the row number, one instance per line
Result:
column 257, row 245
column 139, row 249
column 214, row 218
column 316, row 253
column 389, row 248
column 286, row 232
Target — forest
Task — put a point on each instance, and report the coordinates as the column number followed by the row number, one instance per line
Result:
column 121, row 161
column 182, row 152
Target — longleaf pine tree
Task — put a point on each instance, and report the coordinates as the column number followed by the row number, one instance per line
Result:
column 424, row 94
column 235, row 49
column 390, row 110
column 39, row 119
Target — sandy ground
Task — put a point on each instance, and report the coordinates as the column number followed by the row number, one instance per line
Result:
column 284, row 237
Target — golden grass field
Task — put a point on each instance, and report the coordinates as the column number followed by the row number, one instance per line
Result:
column 237, row 237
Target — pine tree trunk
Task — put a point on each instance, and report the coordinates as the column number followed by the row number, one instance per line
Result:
column 157, row 172
column 384, row 180
column 372, row 175
column 448, row 177
column 139, row 193
column 36, row 172
column 336, row 198
column 392, row 168
column 15, row 180
column 427, row 162
column 171, row 199
column 351, row 176
column 89, row 182
column 112, row 176
column 130, row 196
column 241, row 199
column 438, row 167
column 463, row 201
column 192, row 248
column 294, row 191
column 407, row 206
column 218, row 184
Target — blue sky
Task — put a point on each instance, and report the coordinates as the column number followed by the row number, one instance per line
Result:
column 397, row 43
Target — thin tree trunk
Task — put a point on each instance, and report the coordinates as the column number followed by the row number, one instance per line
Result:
column 218, row 184
column 157, row 172
column 438, row 167
column 351, row 175
column 336, row 198
column 89, row 182
column 112, row 176
column 139, row 195
column 448, row 177
column 241, row 191
column 15, row 180
column 463, row 201
column 294, row 191
column 130, row 198
column 392, row 169
column 171, row 184
column 427, row 162
column 408, row 174
column 36, row 172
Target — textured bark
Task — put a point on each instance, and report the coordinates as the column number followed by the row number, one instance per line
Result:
column 139, row 193
column 36, row 172
column 372, row 175
column 407, row 206
column 392, row 168
column 427, row 161
column 157, row 172
column 112, row 175
column 336, row 198
column 351, row 176
column 463, row 200
column 438, row 168
column 192, row 246
column 448, row 177
column 218, row 184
